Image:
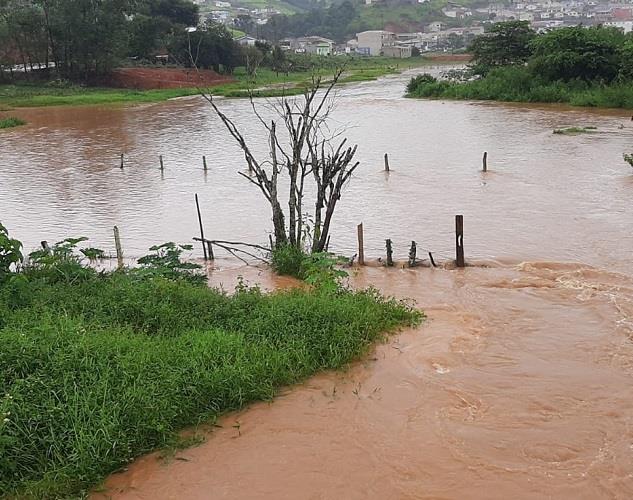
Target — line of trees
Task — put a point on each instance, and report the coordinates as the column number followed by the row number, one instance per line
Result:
column 596, row 54
column 83, row 38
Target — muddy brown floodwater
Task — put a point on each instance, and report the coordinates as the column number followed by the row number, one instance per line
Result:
column 518, row 385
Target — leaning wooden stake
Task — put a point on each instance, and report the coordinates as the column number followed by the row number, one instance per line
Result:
column 485, row 161
column 459, row 240
column 361, row 245
column 389, row 252
column 204, row 247
column 119, row 250
column 162, row 167
column 412, row 253
column 204, row 163
column 432, row 260
column 386, row 162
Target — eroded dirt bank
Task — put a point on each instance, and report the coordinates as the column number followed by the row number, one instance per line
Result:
column 517, row 386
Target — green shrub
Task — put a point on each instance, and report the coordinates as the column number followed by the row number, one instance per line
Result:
column 11, row 122
column 10, row 252
column 287, row 260
column 419, row 81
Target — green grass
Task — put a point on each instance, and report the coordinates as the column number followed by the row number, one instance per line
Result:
column 266, row 84
column 517, row 84
column 575, row 130
column 97, row 369
column 11, row 122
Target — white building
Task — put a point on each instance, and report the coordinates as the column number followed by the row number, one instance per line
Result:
column 371, row 43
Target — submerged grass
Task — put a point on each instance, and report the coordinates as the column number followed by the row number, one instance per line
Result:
column 267, row 83
column 575, row 130
column 102, row 368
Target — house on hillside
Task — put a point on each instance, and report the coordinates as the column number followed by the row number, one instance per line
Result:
column 246, row 41
column 317, row 45
column 399, row 51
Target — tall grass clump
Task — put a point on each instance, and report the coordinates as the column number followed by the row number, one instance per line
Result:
column 97, row 368
column 11, row 122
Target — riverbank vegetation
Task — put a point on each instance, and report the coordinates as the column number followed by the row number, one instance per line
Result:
column 98, row 367
column 265, row 82
column 576, row 65
column 11, row 122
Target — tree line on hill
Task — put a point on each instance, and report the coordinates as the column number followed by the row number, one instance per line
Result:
column 86, row 38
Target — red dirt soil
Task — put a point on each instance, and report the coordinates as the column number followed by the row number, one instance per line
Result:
column 165, row 78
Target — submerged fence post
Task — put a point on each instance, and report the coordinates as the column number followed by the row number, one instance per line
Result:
column 119, row 250
column 204, row 247
column 204, row 163
column 459, row 241
column 389, row 253
column 386, row 162
column 485, row 161
column 412, row 254
column 162, row 167
column 121, row 161
column 361, row 245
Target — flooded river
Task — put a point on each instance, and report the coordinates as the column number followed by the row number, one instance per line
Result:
column 519, row 383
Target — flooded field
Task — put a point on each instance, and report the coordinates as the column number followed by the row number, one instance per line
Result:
column 545, row 197
column 519, row 383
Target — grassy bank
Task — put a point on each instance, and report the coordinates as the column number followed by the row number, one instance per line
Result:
column 99, row 368
column 517, row 84
column 266, row 84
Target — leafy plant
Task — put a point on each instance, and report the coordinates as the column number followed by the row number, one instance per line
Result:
column 317, row 269
column 10, row 252
column 419, row 81
column 61, row 261
column 166, row 261
column 628, row 158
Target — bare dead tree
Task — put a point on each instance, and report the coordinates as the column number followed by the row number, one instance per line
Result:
column 307, row 149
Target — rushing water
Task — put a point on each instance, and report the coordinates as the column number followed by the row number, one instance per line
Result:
column 519, row 383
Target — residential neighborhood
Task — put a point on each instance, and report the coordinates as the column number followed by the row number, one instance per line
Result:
column 453, row 28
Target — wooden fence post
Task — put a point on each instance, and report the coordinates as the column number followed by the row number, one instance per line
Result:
column 204, row 163
column 485, row 161
column 412, row 253
column 389, row 253
column 459, row 240
column 386, row 162
column 204, row 246
column 162, row 167
column 119, row 250
column 121, row 161
column 361, row 245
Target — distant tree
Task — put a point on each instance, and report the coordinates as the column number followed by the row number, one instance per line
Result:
column 626, row 57
column 251, row 59
column 578, row 53
column 245, row 23
column 415, row 52
column 182, row 12
column 210, row 47
column 506, row 43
